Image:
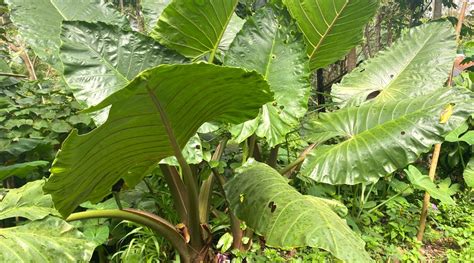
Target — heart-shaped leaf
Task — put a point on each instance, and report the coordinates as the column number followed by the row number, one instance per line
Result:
column 377, row 139
column 417, row 63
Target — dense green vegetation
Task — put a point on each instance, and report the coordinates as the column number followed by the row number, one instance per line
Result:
column 241, row 130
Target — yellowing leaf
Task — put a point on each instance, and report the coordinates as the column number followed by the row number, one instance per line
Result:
column 446, row 113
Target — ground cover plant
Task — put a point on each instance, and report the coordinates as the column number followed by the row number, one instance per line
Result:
column 190, row 130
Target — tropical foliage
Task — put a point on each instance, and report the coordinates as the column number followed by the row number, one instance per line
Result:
column 194, row 122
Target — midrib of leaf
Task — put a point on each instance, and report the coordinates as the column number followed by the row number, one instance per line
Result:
column 108, row 64
column 57, row 9
column 285, row 235
column 385, row 91
column 267, row 68
column 221, row 34
column 323, row 37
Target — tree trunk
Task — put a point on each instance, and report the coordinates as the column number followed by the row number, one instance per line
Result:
column 320, row 89
column 121, row 5
column 378, row 33
column 367, row 48
column 351, row 60
column 437, row 9
column 389, row 34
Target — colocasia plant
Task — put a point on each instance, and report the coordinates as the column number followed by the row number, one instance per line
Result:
column 195, row 64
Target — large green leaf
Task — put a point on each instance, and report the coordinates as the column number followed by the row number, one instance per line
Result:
column 469, row 173
column 133, row 139
column 48, row 240
column 194, row 28
column 20, row 169
column 423, row 182
column 28, row 201
column 378, row 139
column 268, row 44
column 100, row 59
column 416, row 64
column 262, row 198
column 39, row 21
column 331, row 27
column 20, row 146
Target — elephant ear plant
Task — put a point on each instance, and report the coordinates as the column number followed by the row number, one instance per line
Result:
column 149, row 95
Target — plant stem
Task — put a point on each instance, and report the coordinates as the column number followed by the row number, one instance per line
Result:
column 5, row 74
column 154, row 222
column 364, row 200
column 189, row 181
column 252, row 141
column 140, row 20
column 458, row 35
column 234, row 221
column 437, row 148
column 206, row 187
column 117, row 200
column 426, row 199
column 287, row 170
column 26, row 59
column 272, row 159
column 178, row 191
column 388, row 200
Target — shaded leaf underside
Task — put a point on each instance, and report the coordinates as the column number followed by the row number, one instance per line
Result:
column 133, row 138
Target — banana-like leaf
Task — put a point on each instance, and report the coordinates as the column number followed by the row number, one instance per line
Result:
column 194, row 28
column 417, row 63
column 378, row 139
column 331, row 27
column 100, row 59
column 28, row 201
column 20, row 169
column 152, row 10
column 133, row 139
column 268, row 44
column 39, row 21
column 262, row 198
column 424, row 182
column 48, row 240
column 469, row 173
